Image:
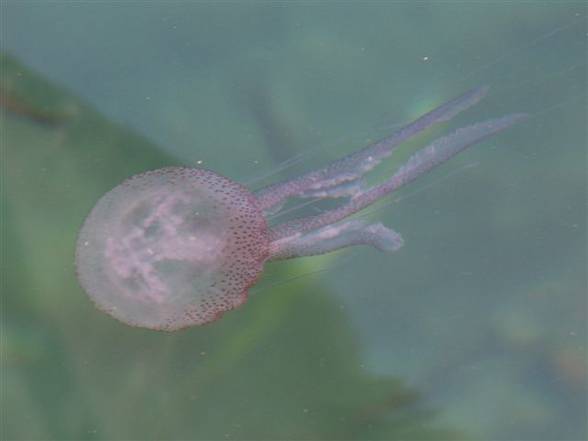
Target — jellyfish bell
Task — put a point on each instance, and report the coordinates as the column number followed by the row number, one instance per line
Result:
column 172, row 248
column 178, row 247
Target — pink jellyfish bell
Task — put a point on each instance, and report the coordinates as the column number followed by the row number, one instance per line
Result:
column 178, row 247
column 172, row 248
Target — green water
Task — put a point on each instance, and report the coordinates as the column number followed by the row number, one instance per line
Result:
column 475, row 329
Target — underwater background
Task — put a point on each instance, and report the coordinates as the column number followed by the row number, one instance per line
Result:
column 475, row 329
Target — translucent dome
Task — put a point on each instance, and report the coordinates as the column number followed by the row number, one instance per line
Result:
column 172, row 248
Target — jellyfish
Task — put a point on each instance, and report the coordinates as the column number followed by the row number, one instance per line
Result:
column 178, row 247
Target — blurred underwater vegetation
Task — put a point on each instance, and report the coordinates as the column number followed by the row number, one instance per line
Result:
column 283, row 366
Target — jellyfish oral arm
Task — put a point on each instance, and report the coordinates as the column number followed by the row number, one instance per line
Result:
column 327, row 233
column 334, row 237
column 340, row 178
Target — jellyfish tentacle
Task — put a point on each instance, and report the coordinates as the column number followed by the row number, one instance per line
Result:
column 334, row 237
column 355, row 165
column 421, row 162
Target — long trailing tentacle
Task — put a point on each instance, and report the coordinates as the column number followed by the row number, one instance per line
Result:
column 333, row 180
column 421, row 162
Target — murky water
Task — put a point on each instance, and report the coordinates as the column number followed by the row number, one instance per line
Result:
column 475, row 329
